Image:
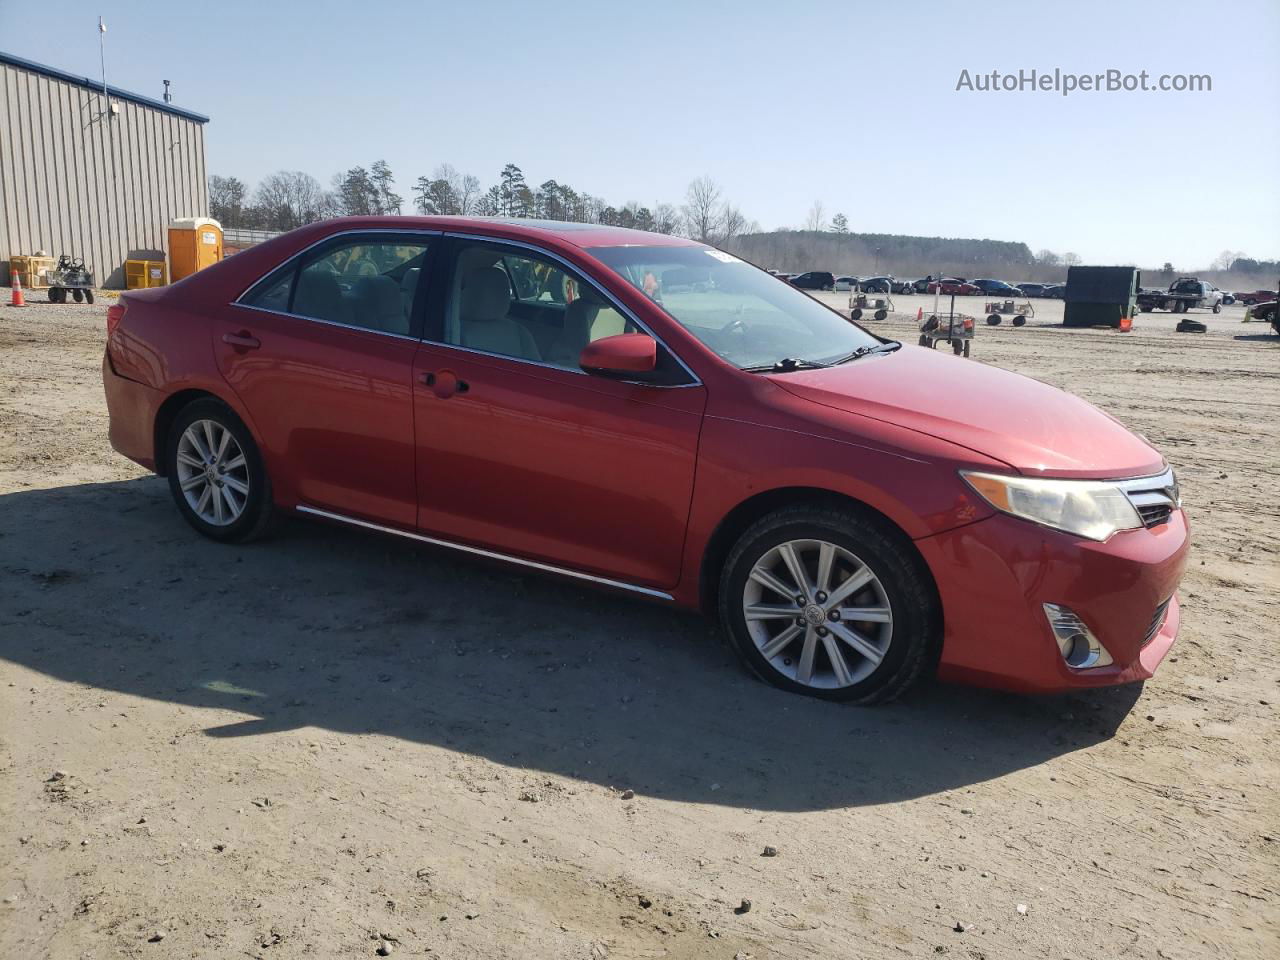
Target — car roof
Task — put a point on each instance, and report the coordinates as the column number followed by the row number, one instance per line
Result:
column 583, row 235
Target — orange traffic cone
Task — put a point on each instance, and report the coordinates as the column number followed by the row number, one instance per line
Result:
column 919, row 314
column 16, row 299
column 1126, row 324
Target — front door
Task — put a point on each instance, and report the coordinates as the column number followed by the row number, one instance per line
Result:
column 321, row 355
column 521, row 452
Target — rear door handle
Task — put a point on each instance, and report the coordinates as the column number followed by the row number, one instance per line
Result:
column 445, row 384
column 242, row 340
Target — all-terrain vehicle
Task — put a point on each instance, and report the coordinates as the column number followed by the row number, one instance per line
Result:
column 70, row 277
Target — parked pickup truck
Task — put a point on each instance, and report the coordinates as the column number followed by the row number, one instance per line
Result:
column 1256, row 296
column 1183, row 294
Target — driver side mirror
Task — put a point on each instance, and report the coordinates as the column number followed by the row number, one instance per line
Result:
column 624, row 356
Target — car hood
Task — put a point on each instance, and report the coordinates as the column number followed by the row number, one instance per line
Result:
column 1037, row 429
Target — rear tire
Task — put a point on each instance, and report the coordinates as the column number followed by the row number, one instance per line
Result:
column 993, row 320
column 88, row 296
column 855, row 313
column 77, row 295
column 228, row 515
column 1019, row 320
column 885, row 631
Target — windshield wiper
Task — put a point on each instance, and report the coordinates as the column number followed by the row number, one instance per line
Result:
column 887, row 347
column 786, row 365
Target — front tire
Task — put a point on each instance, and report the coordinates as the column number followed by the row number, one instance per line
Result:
column 216, row 474
column 829, row 603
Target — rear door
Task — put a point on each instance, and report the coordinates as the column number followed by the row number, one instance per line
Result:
column 321, row 354
column 521, row 452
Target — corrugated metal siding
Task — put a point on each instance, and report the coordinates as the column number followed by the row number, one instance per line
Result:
column 105, row 190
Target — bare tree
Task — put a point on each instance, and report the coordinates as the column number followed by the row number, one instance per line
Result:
column 1071, row 259
column 227, row 196
column 1048, row 258
column 290, row 198
column 817, row 219
column 732, row 224
column 666, row 219
column 702, row 210
column 1223, row 262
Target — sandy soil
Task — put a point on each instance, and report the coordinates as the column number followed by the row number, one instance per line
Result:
column 332, row 743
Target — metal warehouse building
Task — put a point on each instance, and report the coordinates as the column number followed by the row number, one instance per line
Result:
column 93, row 176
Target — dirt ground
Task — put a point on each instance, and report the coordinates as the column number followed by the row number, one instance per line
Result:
column 332, row 743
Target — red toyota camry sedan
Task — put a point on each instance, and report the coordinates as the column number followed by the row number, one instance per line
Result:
column 656, row 416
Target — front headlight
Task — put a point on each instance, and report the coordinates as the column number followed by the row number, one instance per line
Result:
column 1088, row 508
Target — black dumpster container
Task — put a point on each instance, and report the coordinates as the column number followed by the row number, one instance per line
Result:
column 1101, row 296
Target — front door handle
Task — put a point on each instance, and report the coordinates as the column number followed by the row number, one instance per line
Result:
column 444, row 384
column 242, row 340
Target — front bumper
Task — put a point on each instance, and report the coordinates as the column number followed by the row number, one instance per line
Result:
column 994, row 577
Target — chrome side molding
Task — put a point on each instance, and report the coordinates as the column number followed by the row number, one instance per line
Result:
column 488, row 554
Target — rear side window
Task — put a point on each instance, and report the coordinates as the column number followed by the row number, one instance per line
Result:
column 363, row 282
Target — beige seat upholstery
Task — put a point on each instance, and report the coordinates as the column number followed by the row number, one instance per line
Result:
column 408, row 287
column 319, row 296
column 378, row 305
column 585, row 320
column 578, row 318
column 482, row 315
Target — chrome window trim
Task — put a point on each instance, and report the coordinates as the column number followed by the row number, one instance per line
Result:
column 327, row 323
column 307, row 249
column 488, row 554
column 608, row 297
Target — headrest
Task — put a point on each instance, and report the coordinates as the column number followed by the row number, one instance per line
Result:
column 380, row 293
column 486, row 294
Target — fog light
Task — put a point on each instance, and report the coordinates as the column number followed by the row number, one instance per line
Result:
column 1076, row 642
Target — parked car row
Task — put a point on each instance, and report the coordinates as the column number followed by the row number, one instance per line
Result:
column 984, row 286
column 825, row 280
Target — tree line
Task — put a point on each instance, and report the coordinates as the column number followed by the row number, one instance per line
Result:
column 288, row 199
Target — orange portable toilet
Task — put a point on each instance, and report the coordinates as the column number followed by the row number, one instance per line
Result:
column 194, row 243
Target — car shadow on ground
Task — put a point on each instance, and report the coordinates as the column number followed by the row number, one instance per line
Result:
column 104, row 585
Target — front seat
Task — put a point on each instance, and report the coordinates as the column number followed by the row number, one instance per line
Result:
column 578, row 319
column 378, row 305
column 408, row 287
column 319, row 296
column 482, row 315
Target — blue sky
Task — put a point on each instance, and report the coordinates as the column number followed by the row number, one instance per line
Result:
column 783, row 104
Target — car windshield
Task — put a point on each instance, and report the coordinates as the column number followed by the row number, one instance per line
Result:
column 743, row 314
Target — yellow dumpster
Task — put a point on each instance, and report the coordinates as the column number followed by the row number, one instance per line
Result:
column 194, row 243
column 139, row 274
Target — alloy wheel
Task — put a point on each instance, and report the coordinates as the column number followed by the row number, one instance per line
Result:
column 817, row 614
column 213, row 473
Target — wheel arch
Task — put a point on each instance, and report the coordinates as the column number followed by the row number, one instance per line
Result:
column 168, row 411
column 744, row 514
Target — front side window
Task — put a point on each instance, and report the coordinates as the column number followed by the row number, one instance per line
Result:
column 367, row 283
column 746, row 316
column 518, row 304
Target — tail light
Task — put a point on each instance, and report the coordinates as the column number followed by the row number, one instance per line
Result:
column 114, row 315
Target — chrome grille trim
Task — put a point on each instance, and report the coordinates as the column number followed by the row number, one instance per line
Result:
column 1155, row 498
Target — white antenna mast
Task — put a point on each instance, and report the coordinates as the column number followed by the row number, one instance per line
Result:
column 102, row 59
